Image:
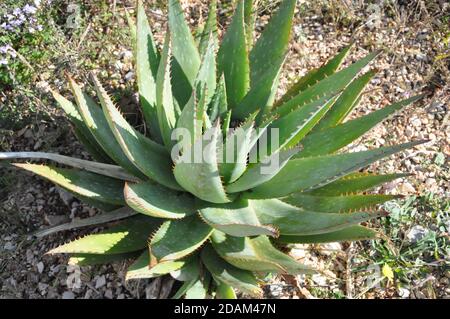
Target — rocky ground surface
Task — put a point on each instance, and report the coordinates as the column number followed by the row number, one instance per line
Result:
column 410, row 65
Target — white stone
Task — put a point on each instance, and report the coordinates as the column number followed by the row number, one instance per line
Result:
column 416, row 233
column 319, row 279
column 101, row 281
column 403, row 292
column 9, row 246
column 68, row 295
column 40, row 267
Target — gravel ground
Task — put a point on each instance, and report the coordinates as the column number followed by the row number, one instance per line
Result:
column 412, row 42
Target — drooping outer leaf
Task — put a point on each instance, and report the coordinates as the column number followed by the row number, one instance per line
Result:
column 346, row 102
column 128, row 236
column 95, row 120
column 200, row 176
column 351, row 233
column 273, row 43
column 165, row 109
column 176, row 239
column 111, row 216
column 151, row 158
column 233, row 58
column 147, row 62
column 292, row 220
column 353, row 183
column 152, row 199
column 330, row 84
column 315, row 76
column 81, row 130
column 313, row 172
column 236, row 219
column 95, row 167
column 255, row 254
column 186, row 62
column 337, row 204
column 141, row 267
column 223, row 272
column 95, row 259
column 332, row 139
column 89, row 185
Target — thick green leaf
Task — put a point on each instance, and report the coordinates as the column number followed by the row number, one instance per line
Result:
column 250, row 13
column 226, row 123
column 141, row 269
column 206, row 77
column 196, row 170
column 334, row 138
column 261, row 95
column 224, row 291
column 176, row 239
column 187, row 285
column 330, row 84
column 152, row 199
column 95, row 120
column 218, row 106
column 94, row 259
column 191, row 120
column 314, row 76
column 151, row 158
column 92, row 147
column 263, row 171
column 237, row 219
column 346, row 102
column 292, row 220
column 313, row 172
column 354, row 183
column 190, row 270
column 255, row 254
column 337, row 204
column 128, row 236
column 209, row 28
column 235, row 151
column 82, row 132
column 233, row 58
column 223, row 272
column 352, row 233
column 89, row 185
column 271, row 46
column 186, row 62
column 293, row 127
column 147, row 62
column 199, row 288
column 165, row 108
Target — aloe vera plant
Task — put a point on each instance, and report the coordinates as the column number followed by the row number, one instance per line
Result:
column 217, row 223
